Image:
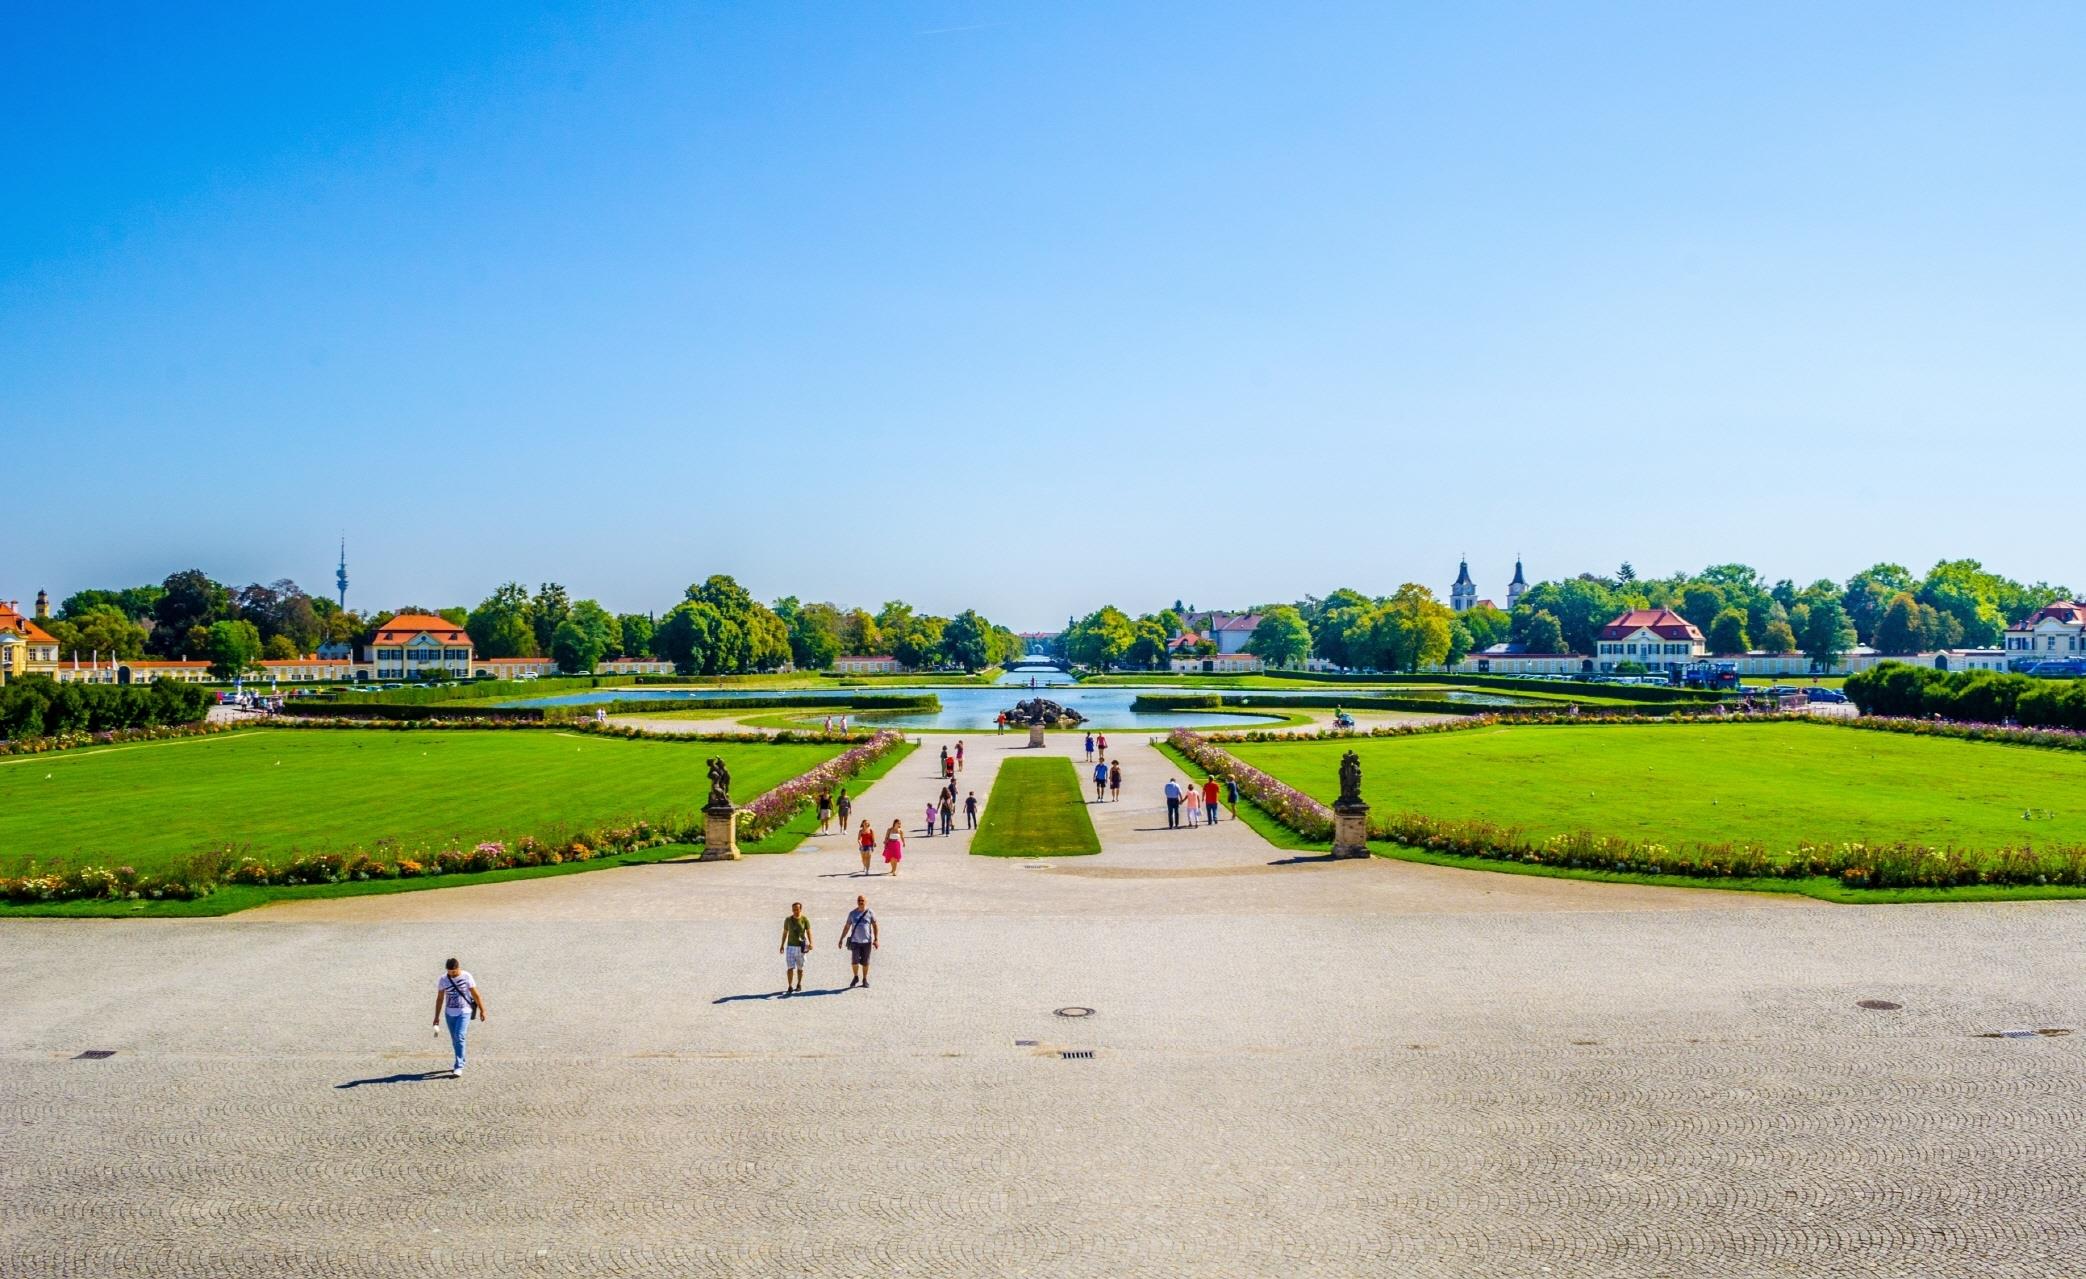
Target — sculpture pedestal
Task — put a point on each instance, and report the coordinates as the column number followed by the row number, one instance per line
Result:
column 1351, row 830
column 1035, row 734
column 720, row 834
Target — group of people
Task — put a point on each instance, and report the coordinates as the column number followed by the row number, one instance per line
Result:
column 1193, row 805
column 859, row 932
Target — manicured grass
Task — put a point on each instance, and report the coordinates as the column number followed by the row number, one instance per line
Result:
column 1036, row 809
column 1249, row 812
column 269, row 793
column 1770, row 784
column 799, row 828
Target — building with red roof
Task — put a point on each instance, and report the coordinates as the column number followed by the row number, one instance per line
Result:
column 2053, row 632
column 412, row 644
column 1657, row 639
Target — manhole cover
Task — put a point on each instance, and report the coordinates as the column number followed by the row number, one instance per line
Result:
column 1080, row 1054
column 95, row 1054
column 1880, row 1005
column 1075, row 1011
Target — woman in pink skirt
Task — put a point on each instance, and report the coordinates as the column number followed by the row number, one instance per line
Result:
column 894, row 846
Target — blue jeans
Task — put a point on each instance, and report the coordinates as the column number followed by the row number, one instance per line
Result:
column 459, row 1024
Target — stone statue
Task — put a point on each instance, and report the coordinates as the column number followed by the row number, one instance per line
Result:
column 1350, row 778
column 721, row 784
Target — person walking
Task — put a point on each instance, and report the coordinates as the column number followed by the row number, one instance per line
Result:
column 949, row 811
column 1173, row 804
column 860, row 933
column 825, row 811
column 1209, row 800
column 1100, row 782
column 999, row 722
column 843, row 805
column 457, row 1001
column 1101, row 744
column 932, row 808
column 1089, row 756
column 1115, row 781
column 1231, row 794
column 865, row 843
column 796, row 943
column 959, row 754
column 894, row 848
column 1191, row 805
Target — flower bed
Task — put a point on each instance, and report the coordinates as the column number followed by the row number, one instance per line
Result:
column 767, row 813
column 1855, row 865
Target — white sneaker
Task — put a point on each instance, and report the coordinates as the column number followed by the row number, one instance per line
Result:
column 456, row 1072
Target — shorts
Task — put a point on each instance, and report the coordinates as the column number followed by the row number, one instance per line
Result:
column 858, row 953
column 793, row 957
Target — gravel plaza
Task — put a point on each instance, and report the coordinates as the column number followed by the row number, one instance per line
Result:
column 1293, row 1068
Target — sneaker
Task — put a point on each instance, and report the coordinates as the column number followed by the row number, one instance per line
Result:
column 456, row 1072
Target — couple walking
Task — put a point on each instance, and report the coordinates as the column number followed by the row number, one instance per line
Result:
column 828, row 804
column 894, row 845
column 1108, row 780
column 1197, row 805
column 858, row 931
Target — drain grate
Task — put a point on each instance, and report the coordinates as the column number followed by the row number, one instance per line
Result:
column 1075, row 1010
column 95, row 1054
column 1078, row 1054
column 1878, row 1005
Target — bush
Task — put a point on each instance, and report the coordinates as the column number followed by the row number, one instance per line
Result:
column 1898, row 689
column 37, row 706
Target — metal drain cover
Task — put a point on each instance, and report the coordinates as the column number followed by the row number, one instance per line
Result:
column 1081, row 1054
column 95, row 1054
column 1075, row 1010
column 1879, row 1005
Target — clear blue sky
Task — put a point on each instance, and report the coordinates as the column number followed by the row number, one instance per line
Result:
column 1032, row 307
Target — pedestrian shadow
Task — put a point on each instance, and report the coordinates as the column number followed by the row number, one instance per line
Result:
column 1304, row 859
column 851, row 874
column 776, row 994
column 412, row 1077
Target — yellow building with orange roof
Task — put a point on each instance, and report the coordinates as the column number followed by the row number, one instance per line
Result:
column 25, row 647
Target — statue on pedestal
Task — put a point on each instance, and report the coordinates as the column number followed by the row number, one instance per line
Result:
column 1350, row 811
column 720, row 784
column 1350, row 779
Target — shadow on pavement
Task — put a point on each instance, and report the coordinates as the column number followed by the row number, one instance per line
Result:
column 776, row 994
column 409, row 1078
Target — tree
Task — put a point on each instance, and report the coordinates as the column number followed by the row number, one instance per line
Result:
column 1870, row 592
column 636, row 631
column 1581, row 605
column 190, row 602
column 232, row 648
column 1903, row 628
column 280, row 648
column 859, row 636
column 1827, row 634
column 1485, row 624
column 1101, row 639
column 1332, row 620
column 687, row 637
column 588, row 634
column 918, row 642
column 1280, row 638
column 1147, row 649
column 1626, row 572
column 967, row 641
column 1727, row 632
column 1965, row 591
column 814, row 640
column 134, row 602
column 550, row 607
column 1778, row 638
column 1543, row 634
column 1700, row 603
column 500, row 626
column 103, row 630
column 1409, row 630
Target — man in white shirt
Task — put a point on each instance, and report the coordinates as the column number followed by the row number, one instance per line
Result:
column 457, row 1001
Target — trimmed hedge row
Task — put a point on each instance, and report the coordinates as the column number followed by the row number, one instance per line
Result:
column 314, row 708
column 1276, row 700
column 814, row 700
column 1898, row 689
column 483, row 690
column 39, row 706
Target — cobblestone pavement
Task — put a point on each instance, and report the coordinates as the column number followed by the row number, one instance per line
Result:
column 1305, row 1070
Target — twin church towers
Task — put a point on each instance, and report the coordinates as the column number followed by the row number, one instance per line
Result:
column 1463, row 596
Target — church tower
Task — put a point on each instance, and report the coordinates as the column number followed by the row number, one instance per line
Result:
column 43, row 606
column 1465, row 592
column 1516, row 587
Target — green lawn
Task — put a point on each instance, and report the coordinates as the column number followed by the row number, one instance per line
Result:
column 1036, row 809
column 1770, row 784
column 270, row 793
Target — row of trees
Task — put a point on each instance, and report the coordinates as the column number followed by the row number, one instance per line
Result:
column 192, row 616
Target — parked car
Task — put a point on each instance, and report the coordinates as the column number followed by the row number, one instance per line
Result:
column 1832, row 695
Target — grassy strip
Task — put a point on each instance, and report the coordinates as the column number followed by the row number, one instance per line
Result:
column 1262, row 821
column 794, row 831
column 1036, row 810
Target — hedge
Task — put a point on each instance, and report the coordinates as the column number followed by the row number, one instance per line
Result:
column 315, row 708
column 483, row 690
column 1277, row 699
column 1898, row 689
column 813, row 700
column 39, row 706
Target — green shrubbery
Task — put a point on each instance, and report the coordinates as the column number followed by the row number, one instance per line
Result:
column 38, row 706
column 1984, row 697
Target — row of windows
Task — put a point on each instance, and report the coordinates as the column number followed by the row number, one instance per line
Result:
column 421, row 654
column 1647, row 649
column 2026, row 643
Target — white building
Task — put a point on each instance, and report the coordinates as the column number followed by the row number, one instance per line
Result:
column 633, row 666
column 1229, row 631
column 411, row 645
column 1658, row 639
column 868, row 664
column 2052, row 633
column 1218, row 664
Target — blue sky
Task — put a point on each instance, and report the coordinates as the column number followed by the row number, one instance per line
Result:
column 1032, row 307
